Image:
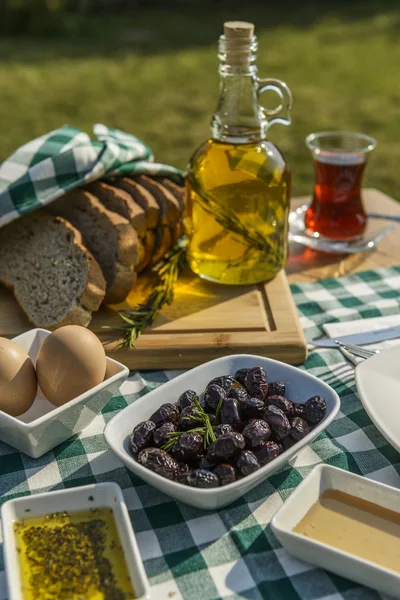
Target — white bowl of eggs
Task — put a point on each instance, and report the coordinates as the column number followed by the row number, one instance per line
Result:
column 52, row 386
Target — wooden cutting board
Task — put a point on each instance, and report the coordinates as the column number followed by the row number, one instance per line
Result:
column 205, row 321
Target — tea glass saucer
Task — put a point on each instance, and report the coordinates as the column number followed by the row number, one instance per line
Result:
column 375, row 231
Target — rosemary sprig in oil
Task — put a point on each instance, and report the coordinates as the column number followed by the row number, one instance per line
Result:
column 231, row 223
column 140, row 318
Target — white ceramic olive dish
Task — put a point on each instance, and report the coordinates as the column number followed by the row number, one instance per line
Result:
column 44, row 425
column 300, row 386
column 100, row 495
column 322, row 478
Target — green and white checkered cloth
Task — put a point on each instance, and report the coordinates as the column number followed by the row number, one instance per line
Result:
column 46, row 168
column 232, row 553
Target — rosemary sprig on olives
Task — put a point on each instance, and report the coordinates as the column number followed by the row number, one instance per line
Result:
column 238, row 425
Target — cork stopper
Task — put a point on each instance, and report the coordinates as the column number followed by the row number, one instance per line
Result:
column 238, row 30
column 237, row 39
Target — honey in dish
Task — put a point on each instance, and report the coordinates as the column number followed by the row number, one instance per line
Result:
column 356, row 526
column 71, row 556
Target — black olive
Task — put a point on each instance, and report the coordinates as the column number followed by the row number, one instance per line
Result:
column 225, row 381
column 221, row 429
column 230, row 413
column 187, row 447
column 266, row 452
column 276, row 388
column 299, row 409
column 201, row 478
column 255, row 432
column 188, row 419
column 283, row 403
column 252, row 408
column 141, row 436
column 288, row 442
column 240, row 375
column 315, row 409
column 278, row 421
column 212, row 396
column 239, row 393
column 187, row 399
column 247, row 462
column 299, row 428
column 226, row 448
column 226, row 473
column 159, row 461
column 205, row 463
column 161, row 435
column 256, row 383
column 166, row 413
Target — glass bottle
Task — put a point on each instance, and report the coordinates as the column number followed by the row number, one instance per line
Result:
column 238, row 183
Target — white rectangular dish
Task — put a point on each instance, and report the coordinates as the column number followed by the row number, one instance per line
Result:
column 101, row 495
column 300, row 386
column 322, row 555
column 44, row 425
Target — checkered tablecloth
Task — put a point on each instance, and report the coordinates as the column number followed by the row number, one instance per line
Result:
column 232, row 553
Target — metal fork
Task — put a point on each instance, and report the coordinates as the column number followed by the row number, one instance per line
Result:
column 357, row 350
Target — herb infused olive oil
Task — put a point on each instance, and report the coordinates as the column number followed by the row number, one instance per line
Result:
column 72, row 556
column 238, row 183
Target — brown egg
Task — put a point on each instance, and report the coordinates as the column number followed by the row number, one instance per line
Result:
column 18, row 383
column 70, row 362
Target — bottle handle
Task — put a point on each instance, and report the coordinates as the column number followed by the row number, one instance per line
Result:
column 280, row 114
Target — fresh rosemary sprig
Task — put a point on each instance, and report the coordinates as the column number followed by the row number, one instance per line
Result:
column 140, row 318
column 206, row 430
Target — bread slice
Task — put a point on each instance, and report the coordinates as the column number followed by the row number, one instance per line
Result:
column 54, row 277
column 142, row 197
column 170, row 211
column 109, row 237
column 176, row 190
column 163, row 243
column 121, row 202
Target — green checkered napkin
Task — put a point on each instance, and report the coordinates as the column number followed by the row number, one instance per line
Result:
column 46, row 168
column 232, row 553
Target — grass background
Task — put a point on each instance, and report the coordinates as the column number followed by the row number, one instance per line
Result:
column 152, row 70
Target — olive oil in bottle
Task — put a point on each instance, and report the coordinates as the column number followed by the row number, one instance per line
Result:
column 238, row 183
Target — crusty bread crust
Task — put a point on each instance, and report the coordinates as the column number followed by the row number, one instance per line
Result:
column 143, row 197
column 175, row 189
column 169, row 205
column 119, row 201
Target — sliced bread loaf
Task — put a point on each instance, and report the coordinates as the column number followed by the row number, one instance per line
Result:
column 109, row 237
column 53, row 276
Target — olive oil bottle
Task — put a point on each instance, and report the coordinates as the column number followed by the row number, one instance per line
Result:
column 238, row 183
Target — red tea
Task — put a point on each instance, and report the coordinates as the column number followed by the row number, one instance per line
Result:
column 336, row 210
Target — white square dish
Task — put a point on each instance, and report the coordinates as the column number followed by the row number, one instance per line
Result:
column 44, row 425
column 300, row 386
column 101, row 495
column 322, row 478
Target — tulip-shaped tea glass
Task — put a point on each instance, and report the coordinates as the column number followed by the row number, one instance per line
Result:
column 339, row 158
